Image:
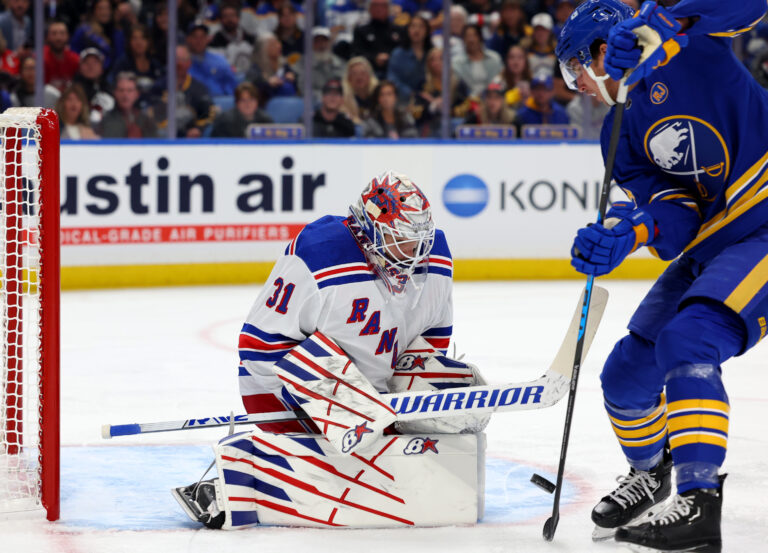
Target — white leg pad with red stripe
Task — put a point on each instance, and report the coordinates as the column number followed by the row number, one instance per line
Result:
column 339, row 398
column 300, row 480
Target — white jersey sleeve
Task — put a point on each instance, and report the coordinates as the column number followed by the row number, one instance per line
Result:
column 284, row 314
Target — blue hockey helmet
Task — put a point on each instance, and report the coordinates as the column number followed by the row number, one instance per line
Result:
column 591, row 21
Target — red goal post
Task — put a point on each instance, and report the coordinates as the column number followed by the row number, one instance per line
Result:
column 29, row 311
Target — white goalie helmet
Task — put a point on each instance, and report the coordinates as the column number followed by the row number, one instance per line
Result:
column 392, row 221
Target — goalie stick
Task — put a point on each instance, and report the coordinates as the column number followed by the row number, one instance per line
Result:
column 416, row 405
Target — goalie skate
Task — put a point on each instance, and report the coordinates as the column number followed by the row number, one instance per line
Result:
column 199, row 501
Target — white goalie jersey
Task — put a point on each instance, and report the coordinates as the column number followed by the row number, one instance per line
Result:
column 324, row 283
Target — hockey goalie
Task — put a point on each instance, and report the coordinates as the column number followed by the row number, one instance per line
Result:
column 355, row 307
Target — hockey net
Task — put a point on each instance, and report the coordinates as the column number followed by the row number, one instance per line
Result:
column 29, row 311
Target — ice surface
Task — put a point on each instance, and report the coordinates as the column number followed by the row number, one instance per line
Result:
column 166, row 354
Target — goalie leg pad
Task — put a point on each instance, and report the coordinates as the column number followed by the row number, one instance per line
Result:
column 300, row 480
column 335, row 394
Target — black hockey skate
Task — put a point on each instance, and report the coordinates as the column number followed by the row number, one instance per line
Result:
column 690, row 523
column 634, row 499
column 199, row 502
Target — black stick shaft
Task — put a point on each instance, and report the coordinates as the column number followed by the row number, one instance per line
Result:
column 551, row 525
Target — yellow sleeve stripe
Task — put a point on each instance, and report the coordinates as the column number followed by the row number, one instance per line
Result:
column 740, row 31
column 713, row 422
column 747, row 177
column 749, row 287
column 753, row 197
column 643, row 432
column 659, row 194
column 639, row 422
column 698, row 438
column 709, row 404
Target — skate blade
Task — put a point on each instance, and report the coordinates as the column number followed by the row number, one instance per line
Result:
column 704, row 548
column 178, row 495
column 603, row 534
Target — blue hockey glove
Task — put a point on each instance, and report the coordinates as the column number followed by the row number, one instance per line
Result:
column 657, row 39
column 598, row 250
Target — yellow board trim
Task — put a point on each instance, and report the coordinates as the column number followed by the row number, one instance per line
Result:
column 698, row 404
column 698, row 439
column 747, row 288
column 129, row 276
column 715, row 422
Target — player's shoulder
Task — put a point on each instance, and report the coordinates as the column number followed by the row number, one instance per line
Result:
column 440, row 258
column 326, row 243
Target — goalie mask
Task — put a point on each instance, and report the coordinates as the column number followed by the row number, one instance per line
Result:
column 392, row 222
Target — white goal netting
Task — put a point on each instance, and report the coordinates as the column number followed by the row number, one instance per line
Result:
column 20, row 311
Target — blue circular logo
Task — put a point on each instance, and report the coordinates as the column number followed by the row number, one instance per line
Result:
column 465, row 195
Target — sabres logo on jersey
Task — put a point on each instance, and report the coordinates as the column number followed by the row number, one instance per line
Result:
column 691, row 150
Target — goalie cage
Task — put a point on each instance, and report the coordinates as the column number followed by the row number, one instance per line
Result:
column 29, row 311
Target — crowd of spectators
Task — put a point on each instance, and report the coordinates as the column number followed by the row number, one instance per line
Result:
column 376, row 66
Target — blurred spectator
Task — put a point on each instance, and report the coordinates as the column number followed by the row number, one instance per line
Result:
column 234, row 122
column 210, row 69
column 270, row 72
column 493, row 110
column 457, row 23
column 342, row 16
column 15, row 24
column 388, row 120
column 127, row 120
column 231, row 41
column 587, row 114
column 72, row 108
column 289, row 34
column 512, row 27
column 427, row 105
column 325, row 64
column 91, row 78
column 266, row 17
column 9, row 61
column 378, row 38
column 541, row 45
column 478, row 66
column 430, row 10
column 563, row 11
column 634, row 4
column 516, row 76
column 406, row 67
column 140, row 61
column 100, row 32
column 193, row 101
column 23, row 93
column 159, row 32
column 541, row 109
column 60, row 63
column 759, row 68
column 358, row 85
column 479, row 7
column 329, row 121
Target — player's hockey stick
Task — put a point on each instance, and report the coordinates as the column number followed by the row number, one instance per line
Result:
column 542, row 392
column 550, row 526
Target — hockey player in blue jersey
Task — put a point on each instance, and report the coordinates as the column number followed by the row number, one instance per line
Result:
column 693, row 159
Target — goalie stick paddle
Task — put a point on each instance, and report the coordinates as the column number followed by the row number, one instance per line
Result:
column 550, row 526
column 542, row 392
